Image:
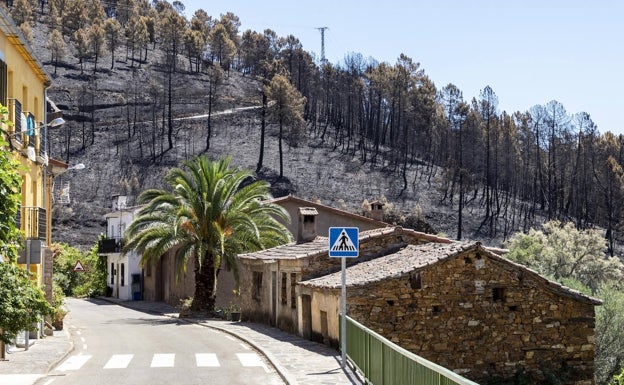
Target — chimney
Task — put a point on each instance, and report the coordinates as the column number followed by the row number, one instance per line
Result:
column 377, row 210
column 306, row 230
column 119, row 202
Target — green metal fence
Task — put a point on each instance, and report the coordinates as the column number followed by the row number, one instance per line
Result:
column 385, row 363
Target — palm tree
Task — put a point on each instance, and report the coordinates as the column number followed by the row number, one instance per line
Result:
column 213, row 213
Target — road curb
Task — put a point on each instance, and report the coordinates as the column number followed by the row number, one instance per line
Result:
column 64, row 355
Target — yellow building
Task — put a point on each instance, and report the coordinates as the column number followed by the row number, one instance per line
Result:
column 23, row 85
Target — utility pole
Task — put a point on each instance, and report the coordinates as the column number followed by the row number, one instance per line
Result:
column 322, row 29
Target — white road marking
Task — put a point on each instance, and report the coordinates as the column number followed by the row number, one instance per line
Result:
column 74, row 362
column 48, row 382
column 230, row 338
column 19, row 379
column 206, row 360
column 251, row 359
column 163, row 361
column 245, row 347
column 119, row 361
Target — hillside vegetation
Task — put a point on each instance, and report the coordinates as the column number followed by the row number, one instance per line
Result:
column 143, row 88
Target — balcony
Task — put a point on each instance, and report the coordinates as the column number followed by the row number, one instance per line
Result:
column 110, row 245
column 27, row 136
column 32, row 220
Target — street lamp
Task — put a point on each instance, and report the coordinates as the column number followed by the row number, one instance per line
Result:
column 78, row 166
column 56, row 122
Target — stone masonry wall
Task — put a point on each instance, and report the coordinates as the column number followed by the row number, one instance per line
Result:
column 370, row 248
column 482, row 318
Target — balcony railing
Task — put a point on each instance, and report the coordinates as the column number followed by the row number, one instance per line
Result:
column 32, row 220
column 110, row 245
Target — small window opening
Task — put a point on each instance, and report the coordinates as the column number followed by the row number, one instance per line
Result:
column 390, row 302
column 293, row 292
column 123, row 275
column 415, row 281
column 467, row 260
column 308, row 218
column 112, row 273
column 437, row 309
column 284, row 299
column 498, row 294
column 257, row 285
column 513, row 308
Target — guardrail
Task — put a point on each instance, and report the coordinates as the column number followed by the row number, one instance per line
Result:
column 385, row 363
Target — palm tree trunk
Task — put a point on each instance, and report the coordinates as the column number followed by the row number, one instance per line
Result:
column 205, row 283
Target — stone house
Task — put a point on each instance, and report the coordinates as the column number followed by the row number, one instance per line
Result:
column 271, row 295
column 307, row 219
column 459, row 305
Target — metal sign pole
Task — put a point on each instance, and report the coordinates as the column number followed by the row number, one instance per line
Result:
column 344, row 242
column 343, row 323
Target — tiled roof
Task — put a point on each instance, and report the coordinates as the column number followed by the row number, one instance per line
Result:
column 414, row 257
column 308, row 211
column 320, row 245
column 394, row 265
column 307, row 203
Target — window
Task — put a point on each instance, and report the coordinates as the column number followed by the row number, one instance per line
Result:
column 293, row 292
column 112, row 273
column 3, row 83
column 257, row 285
column 415, row 281
column 284, row 299
column 498, row 294
column 123, row 275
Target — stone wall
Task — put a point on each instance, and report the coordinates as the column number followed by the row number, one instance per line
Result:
column 370, row 247
column 482, row 318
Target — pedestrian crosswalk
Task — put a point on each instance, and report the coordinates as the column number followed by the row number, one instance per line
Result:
column 157, row 360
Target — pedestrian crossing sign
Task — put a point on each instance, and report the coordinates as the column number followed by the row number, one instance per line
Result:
column 344, row 242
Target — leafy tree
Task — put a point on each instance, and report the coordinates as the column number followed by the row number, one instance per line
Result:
column 222, row 45
column 287, row 110
column 89, row 283
column 22, row 303
column 112, row 29
column 57, row 47
column 81, row 43
column 561, row 251
column 22, row 12
column 610, row 334
column 211, row 213
column 76, row 16
column 95, row 11
column 96, row 36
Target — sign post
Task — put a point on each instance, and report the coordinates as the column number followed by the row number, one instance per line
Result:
column 344, row 242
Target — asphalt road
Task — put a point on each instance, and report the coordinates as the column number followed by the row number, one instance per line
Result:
column 116, row 345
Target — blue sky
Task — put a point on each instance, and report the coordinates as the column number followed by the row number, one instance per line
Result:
column 530, row 52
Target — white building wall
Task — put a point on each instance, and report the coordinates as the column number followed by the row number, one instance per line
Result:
column 121, row 267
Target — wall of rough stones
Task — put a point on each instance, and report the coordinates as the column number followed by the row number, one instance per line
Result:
column 482, row 318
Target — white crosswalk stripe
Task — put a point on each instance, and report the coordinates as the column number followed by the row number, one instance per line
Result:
column 163, row 361
column 251, row 359
column 160, row 360
column 206, row 360
column 119, row 361
column 74, row 362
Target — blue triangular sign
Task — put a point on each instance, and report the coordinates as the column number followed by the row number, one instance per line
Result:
column 343, row 241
